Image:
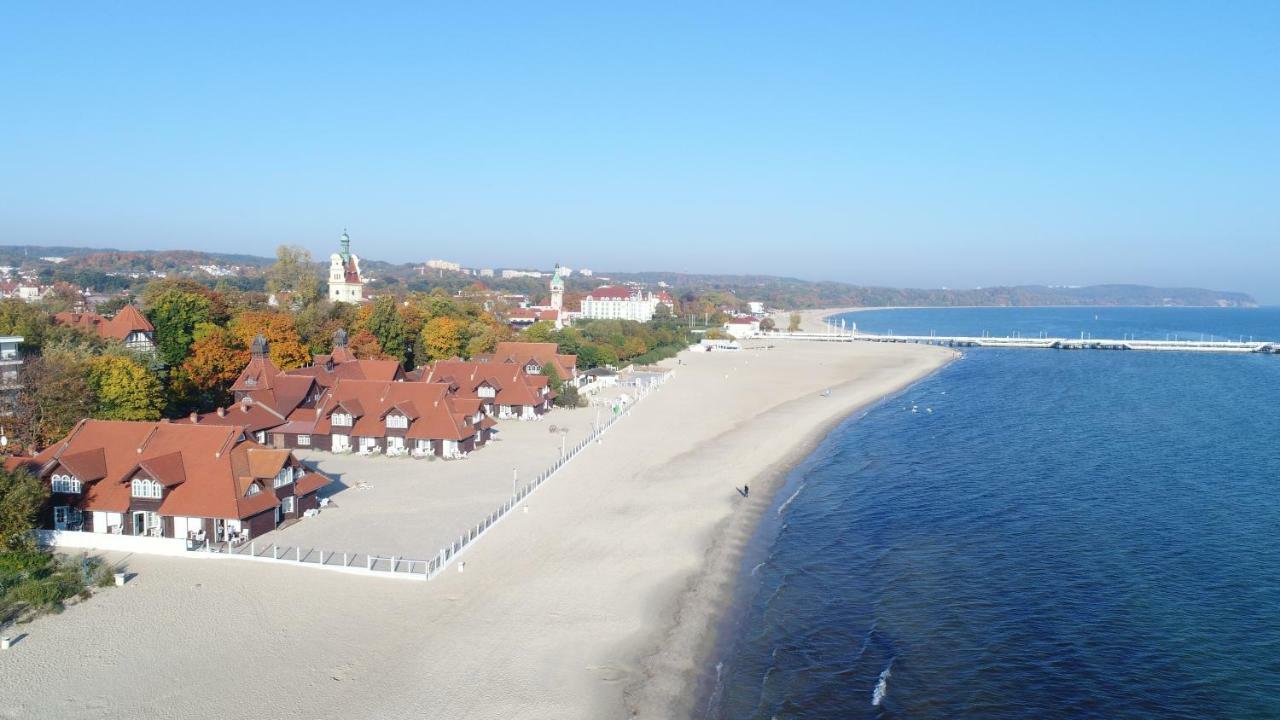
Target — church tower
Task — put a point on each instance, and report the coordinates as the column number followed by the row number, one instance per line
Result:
column 557, row 297
column 345, row 283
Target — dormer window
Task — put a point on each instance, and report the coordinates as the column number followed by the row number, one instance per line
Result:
column 144, row 488
column 487, row 391
column 284, row 477
column 251, row 382
column 254, row 489
column 65, row 484
column 341, row 419
column 396, row 420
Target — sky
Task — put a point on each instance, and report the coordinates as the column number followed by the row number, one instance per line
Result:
column 916, row 144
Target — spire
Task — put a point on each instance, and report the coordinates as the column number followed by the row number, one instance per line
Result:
column 345, row 242
column 259, row 347
column 340, row 338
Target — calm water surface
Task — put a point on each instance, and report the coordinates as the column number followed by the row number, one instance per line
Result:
column 1047, row 535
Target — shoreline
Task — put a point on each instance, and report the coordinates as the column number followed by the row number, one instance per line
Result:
column 706, row 607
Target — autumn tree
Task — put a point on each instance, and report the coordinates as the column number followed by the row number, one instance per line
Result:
column 284, row 343
column 793, row 323
column 23, row 319
column 294, row 272
column 442, row 338
column 767, row 325
column 124, row 389
column 217, row 357
column 365, row 346
column 55, row 395
column 633, row 347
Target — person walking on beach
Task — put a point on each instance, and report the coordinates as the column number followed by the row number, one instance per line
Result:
column 746, row 490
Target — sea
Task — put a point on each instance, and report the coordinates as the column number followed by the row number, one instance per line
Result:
column 1027, row 534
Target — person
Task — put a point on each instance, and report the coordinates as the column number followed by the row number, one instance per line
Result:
column 746, row 490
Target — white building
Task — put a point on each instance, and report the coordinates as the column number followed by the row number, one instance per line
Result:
column 444, row 265
column 757, row 308
column 345, row 283
column 743, row 326
column 520, row 274
column 620, row 303
column 486, row 272
column 585, row 272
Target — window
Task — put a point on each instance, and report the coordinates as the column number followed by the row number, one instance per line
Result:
column 284, row 477
column 64, row 515
column 254, row 489
column 287, row 505
column 144, row 488
column 342, row 419
column 65, row 484
column 304, row 441
column 396, row 420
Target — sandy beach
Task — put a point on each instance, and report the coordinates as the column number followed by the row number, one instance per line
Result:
column 596, row 603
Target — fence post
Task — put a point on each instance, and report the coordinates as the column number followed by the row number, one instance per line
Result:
column 368, row 562
column 275, row 551
column 251, row 552
column 321, row 557
column 299, row 554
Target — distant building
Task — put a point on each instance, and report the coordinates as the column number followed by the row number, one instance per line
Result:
column 128, row 326
column 31, row 293
column 509, row 274
column 756, row 308
column 621, row 303
column 743, row 326
column 486, row 272
column 345, row 283
column 585, row 272
column 444, row 265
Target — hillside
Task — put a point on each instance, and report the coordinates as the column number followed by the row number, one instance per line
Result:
column 107, row 268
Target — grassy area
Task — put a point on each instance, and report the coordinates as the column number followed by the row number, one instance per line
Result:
column 36, row 582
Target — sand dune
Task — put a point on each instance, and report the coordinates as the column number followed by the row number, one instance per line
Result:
column 595, row 604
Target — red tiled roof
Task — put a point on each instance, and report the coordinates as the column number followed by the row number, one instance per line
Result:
column 611, row 292
column 541, row 353
column 369, row 401
column 126, row 322
column 206, row 470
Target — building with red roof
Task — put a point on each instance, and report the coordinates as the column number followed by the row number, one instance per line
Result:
column 171, row 480
column 502, row 390
column 129, row 326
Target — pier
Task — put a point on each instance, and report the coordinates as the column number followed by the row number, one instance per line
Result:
column 1040, row 343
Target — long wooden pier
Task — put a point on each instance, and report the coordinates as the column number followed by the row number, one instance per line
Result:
column 1040, row 343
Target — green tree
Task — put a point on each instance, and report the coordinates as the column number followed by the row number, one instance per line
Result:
column 767, row 325
column 25, row 320
column 387, row 326
column 793, row 324
column 553, row 377
column 21, row 496
column 124, row 389
column 175, row 313
column 539, row 332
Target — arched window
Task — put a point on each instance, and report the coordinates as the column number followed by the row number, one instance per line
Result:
column 64, row 484
column 253, row 490
column 144, row 488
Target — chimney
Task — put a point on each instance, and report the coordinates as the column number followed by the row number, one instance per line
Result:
column 222, row 412
column 195, row 417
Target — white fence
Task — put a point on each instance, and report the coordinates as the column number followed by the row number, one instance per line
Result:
column 349, row 562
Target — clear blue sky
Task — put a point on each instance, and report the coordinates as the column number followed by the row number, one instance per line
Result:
column 923, row 144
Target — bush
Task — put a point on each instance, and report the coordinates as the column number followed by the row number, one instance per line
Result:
column 34, row 582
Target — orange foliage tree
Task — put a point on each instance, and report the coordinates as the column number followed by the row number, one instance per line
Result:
column 285, row 344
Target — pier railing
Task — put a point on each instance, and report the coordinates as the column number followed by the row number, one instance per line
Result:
column 1084, row 342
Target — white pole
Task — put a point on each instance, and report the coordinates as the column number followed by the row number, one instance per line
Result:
column 514, row 475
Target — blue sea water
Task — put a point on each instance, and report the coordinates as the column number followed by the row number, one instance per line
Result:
column 1049, row 535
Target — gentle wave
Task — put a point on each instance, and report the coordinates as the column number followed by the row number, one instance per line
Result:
column 882, row 686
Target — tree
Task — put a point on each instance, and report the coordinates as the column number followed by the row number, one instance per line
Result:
column 216, row 360
column 124, row 389
column 21, row 496
column 55, row 395
column 294, row 272
column 767, row 325
column 386, row 325
column 109, row 308
column 23, row 319
column 633, row 346
column 553, row 377
column 539, row 332
column 175, row 313
column 442, row 338
column 284, row 344
column 366, row 347
column 793, row 325
column 568, row 397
